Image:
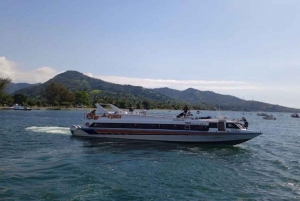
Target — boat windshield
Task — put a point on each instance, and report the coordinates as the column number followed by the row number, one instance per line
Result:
column 234, row 125
column 239, row 125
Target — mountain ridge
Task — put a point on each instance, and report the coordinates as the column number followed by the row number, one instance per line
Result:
column 76, row 81
column 13, row 87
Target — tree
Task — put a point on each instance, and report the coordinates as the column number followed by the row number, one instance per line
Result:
column 4, row 82
column 31, row 102
column 95, row 95
column 55, row 94
column 146, row 105
column 4, row 98
column 20, row 99
column 65, row 95
column 82, row 98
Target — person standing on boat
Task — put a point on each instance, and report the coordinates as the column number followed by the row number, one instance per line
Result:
column 245, row 122
column 130, row 109
column 185, row 111
column 93, row 113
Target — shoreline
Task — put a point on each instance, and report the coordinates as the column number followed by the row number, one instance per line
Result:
column 49, row 108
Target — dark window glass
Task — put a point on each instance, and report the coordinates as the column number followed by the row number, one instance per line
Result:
column 153, row 126
column 232, row 125
column 213, row 125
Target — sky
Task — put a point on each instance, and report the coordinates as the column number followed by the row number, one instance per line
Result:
column 246, row 48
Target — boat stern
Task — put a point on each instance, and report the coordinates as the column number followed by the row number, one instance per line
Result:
column 74, row 128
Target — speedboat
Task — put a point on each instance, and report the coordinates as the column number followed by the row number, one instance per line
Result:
column 269, row 117
column 295, row 115
column 119, row 124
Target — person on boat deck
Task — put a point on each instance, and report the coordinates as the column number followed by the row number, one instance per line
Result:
column 245, row 122
column 130, row 109
column 93, row 112
column 185, row 109
column 184, row 113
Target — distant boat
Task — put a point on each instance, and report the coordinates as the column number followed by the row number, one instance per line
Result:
column 19, row 107
column 295, row 115
column 261, row 114
column 269, row 117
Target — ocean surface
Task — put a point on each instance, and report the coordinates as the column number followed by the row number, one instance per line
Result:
column 39, row 160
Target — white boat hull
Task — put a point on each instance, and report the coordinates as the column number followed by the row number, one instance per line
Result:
column 225, row 138
column 183, row 129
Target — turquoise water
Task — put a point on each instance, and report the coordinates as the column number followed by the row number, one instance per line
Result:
column 40, row 160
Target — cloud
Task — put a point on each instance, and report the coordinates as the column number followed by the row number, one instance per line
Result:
column 44, row 74
column 179, row 84
column 10, row 69
column 7, row 68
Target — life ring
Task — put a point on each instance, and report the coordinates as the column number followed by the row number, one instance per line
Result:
column 89, row 116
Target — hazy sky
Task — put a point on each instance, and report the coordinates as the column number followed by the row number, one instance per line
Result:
column 249, row 49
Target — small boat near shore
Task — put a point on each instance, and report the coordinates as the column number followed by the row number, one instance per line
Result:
column 261, row 114
column 17, row 107
column 119, row 124
column 295, row 115
column 269, row 117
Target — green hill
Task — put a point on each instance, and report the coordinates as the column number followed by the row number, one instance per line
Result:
column 195, row 96
column 226, row 102
column 13, row 87
column 76, row 81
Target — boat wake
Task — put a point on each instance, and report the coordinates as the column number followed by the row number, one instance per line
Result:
column 50, row 130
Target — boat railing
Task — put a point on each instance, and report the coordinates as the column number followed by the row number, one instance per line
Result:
column 152, row 114
column 89, row 116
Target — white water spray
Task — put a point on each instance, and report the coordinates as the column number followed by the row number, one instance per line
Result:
column 50, row 130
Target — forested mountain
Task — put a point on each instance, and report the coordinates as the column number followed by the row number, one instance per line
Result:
column 196, row 96
column 75, row 81
column 12, row 87
column 226, row 102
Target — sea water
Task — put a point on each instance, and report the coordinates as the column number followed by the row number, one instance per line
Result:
column 39, row 160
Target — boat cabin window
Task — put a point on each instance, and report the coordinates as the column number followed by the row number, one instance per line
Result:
column 151, row 126
column 221, row 126
column 232, row 125
column 213, row 125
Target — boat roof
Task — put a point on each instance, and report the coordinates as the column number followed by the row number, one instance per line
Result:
column 110, row 108
column 107, row 108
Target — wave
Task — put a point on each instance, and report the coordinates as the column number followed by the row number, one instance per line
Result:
column 50, row 130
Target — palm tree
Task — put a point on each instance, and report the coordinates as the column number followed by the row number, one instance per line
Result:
column 4, row 84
